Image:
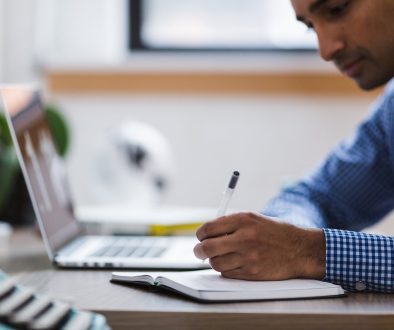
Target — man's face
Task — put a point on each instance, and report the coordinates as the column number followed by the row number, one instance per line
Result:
column 357, row 35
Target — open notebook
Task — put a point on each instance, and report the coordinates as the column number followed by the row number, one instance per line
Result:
column 209, row 285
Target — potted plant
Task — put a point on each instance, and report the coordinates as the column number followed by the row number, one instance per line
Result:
column 9, row 167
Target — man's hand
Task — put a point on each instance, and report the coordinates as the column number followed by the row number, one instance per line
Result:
column 254, row 247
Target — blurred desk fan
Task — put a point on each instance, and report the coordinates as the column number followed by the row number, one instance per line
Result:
column 134, row 166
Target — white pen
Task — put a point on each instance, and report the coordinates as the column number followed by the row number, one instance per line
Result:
column 228, row 192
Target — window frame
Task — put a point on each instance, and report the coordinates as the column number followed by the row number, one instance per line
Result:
column 135, row 42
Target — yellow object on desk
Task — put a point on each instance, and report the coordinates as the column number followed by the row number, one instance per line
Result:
column 174, row 229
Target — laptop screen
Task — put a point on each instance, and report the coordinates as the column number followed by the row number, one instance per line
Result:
column 43, row 169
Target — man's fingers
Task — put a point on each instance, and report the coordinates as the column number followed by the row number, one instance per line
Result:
column 217, row 246
column 240, row 274
column 226, row 262
column 199, row 252
column 220, row 226
column 237, row 273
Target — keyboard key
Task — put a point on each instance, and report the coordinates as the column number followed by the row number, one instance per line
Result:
column 26, row 314
column 15, row 300
column 52, row 317
column 6, row 286
column 80, row 320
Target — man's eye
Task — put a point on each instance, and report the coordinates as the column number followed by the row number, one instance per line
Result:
column 338, row 10
column 309, row 26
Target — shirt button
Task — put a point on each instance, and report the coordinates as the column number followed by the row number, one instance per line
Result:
column 360, row 286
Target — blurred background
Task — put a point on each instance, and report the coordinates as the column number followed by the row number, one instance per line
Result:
column 204, row 86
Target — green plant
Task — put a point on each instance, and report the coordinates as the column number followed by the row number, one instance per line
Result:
column 5, row 136
column 59, row 128
column 9, row 167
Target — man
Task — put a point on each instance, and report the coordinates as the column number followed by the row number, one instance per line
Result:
column 352, row 189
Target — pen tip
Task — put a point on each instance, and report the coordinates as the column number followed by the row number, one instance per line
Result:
column 234, row 180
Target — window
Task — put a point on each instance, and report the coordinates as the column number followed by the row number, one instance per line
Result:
column 217, row 25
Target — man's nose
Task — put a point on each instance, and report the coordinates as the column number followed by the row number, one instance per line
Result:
column 330, row 44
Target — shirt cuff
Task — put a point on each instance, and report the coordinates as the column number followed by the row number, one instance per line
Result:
column 359, row 261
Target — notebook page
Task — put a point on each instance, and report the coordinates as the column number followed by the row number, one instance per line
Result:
column 210, row 280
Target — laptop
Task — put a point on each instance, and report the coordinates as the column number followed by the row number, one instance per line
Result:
column 65, row 239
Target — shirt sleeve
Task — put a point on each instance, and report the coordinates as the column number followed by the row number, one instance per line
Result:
column 351, row 190
column 359, row 261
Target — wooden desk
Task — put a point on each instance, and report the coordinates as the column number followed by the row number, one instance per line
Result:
column 129, row 307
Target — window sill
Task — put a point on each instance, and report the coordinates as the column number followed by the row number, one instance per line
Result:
column 291, row 73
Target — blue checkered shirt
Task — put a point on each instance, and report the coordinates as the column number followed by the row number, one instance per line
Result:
column 352, row 189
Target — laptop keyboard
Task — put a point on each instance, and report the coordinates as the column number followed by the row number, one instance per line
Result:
column 133, row 247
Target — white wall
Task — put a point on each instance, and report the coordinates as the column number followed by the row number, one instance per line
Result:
column 35, row 33
column 1, row 38
column 269, row 139
column 17, row 47
column 75, row 31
